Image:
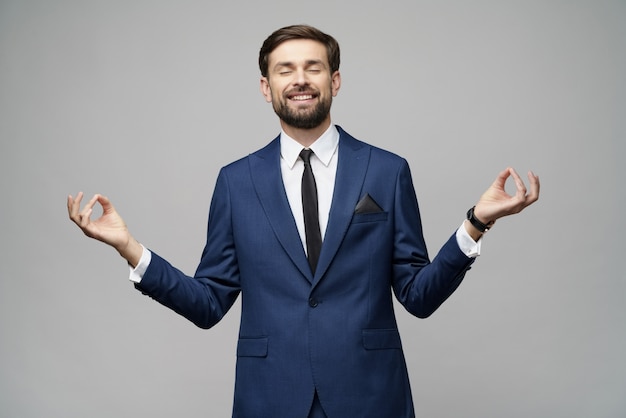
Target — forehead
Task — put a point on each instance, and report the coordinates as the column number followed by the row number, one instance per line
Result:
column 298, row 51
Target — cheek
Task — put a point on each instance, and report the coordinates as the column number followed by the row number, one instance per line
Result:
column 275, row 97
column 273, row 91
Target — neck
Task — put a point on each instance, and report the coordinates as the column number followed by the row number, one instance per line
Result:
column 306, row 137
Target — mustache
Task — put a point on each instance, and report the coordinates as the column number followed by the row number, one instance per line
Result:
column 306, row 89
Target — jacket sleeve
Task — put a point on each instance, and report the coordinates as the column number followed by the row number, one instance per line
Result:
column 420, row 285
column 205, row 298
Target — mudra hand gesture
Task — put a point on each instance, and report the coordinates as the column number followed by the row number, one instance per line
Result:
column 496, row 203
column 109, row 228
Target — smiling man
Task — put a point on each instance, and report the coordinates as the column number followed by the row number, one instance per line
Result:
column 317, row 231
column 300, row 83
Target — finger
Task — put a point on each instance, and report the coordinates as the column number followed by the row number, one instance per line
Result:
column 500, row 180
column 84, row 218
column 535, row 186
column 89, row 206
column 519, row 184
column 85, row 214
column 106, row 203
column 519, row 201
column 70, row 203
column 74, row 204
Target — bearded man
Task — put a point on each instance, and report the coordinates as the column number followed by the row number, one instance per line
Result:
column 317, row 231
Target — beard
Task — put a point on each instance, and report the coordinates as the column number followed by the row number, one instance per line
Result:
column 308, row 118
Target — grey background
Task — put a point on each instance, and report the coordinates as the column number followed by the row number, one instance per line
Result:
column 145, row 101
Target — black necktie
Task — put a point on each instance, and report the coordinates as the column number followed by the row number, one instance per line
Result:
column 309, row 208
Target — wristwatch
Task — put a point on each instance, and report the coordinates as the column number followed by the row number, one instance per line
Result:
column 476, row 223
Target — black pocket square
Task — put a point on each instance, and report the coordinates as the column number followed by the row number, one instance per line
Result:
column 367, row 205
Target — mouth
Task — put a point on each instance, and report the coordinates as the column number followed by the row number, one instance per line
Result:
column 301, row 97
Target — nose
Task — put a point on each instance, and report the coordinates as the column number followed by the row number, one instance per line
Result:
column 300, row 78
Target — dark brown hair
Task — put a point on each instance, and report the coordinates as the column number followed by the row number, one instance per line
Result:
column 298, row 32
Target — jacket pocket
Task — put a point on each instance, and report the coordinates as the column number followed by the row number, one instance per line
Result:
column 369, row 217
column 252, row 347
column 381, row 339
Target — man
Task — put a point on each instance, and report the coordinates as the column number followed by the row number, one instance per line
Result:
column 318, row 335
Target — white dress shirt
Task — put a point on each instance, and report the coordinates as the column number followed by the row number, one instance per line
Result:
column 324, row 166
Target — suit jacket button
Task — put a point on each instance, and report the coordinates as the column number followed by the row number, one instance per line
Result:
column 313, row 303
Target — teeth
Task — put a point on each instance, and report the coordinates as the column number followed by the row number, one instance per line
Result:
column 307, row 97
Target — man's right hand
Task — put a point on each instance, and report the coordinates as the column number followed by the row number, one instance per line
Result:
column 108, row 228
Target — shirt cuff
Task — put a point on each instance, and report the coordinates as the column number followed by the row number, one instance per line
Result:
column 468, row 246
column 136, row 274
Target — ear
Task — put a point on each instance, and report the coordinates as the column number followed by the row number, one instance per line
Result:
column 335, row 83
column 266, row 90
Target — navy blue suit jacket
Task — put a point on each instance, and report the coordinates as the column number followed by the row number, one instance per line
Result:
column 333, row 332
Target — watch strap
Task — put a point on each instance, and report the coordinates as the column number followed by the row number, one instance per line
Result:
column 476, row 223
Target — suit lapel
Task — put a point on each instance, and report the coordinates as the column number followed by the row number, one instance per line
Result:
column 351, row 168
column 268, row 182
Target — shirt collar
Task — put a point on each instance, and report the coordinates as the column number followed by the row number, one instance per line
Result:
column 324, row 147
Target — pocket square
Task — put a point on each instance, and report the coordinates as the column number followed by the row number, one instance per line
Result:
column 367, row 205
